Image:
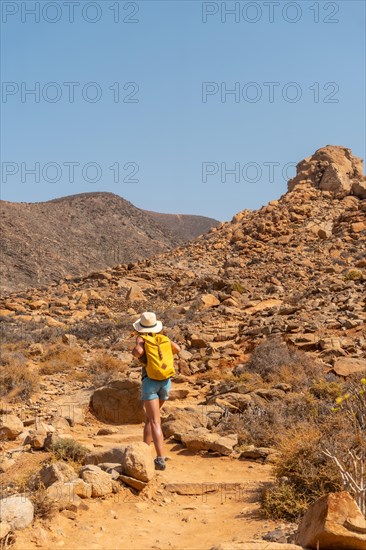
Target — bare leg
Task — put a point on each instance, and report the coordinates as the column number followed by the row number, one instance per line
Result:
column 152, row 428
column 147, row 432
column 148, row 438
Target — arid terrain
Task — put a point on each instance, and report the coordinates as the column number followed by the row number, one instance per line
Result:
column 270, row 312
column 42, row 242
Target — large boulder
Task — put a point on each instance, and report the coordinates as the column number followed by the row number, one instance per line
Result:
column 201, row 439
column 345, row 366
column 64, row 495
column 119, row 402
column 10, row 427
column 332, row 168
column 181, row 421
column 114, row 455
column 359, row 188
column 36, row 439
column 17, row 511
column 138, row 462
column 135, row 459
column 100, row 481
column 58, row 471
column 334, row 522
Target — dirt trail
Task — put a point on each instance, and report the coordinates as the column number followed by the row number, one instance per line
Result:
column 161, row 519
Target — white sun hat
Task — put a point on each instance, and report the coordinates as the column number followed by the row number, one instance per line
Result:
column 148, row 323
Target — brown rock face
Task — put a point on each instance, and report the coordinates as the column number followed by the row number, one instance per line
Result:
column 334, row 522
column 119, row 402
column 332, row 168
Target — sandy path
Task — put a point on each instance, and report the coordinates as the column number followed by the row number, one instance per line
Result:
column 161, row 519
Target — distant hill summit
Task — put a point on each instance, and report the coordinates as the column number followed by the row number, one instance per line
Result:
column 74, row 235
column 184, row 227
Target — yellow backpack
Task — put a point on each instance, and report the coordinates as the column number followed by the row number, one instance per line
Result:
column 160, row 361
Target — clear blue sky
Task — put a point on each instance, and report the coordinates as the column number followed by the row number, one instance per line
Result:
column 170, row 124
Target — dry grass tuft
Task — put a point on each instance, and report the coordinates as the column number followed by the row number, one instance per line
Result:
column 17, row 380
column 104, row 367
column 303, row 473
column 61, row 358
column 44, row 507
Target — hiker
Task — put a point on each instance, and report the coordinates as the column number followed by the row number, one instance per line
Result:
column 155, row 351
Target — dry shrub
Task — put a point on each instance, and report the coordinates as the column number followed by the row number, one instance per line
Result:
column 107, row 332
column 276, row 361
column 68, row 449
column 215, row 373
column 282, row 501
column 262, row 423
column 353, row 275
column 326, row 390
column 303, row 473
column 104, row 367
column 80, row 376
column 226, row 373
column 349, row 455
column 61, row 358
column 14, row 331
column 17, row 379
column 44, row 507
column 8, row 541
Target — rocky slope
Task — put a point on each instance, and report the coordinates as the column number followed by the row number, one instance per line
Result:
column 296, row 268
column 42, row 242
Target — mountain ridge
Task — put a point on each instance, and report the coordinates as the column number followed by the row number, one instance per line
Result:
column 43, row 241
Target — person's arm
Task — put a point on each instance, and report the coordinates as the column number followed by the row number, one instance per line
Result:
column 175, row 347
column 139, row 349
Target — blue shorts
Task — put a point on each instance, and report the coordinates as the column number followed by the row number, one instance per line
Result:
column 155, row 389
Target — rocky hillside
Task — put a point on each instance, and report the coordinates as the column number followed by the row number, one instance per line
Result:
column 296, row 266
column 270, row 313
column 42, row 242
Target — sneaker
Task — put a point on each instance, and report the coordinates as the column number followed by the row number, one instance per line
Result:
column 160, row 463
